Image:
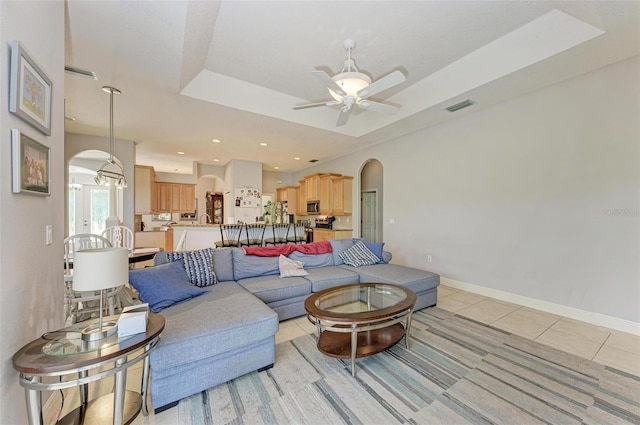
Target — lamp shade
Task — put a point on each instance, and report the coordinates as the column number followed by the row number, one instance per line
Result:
column 100, row 268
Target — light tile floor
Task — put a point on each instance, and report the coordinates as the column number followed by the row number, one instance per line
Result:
column 610, row 347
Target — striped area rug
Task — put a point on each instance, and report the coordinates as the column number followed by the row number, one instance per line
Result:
column 456, row 371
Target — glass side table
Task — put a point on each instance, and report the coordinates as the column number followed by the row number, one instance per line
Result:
column 63, row 355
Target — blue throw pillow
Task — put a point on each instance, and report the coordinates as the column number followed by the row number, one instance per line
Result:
column 375, row 247
column 358, row 255
column 164, row 285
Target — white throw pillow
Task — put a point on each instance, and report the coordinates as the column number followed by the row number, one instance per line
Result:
column 289, row 267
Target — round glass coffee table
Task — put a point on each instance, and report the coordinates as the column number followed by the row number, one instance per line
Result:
column 360, row 320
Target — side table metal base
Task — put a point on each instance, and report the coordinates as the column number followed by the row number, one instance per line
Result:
column 100, row 411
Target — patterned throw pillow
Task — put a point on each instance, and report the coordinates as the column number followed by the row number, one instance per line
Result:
column 198, row 265
column 359, row 255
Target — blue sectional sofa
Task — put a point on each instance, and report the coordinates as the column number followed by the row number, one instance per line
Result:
column 230, row 329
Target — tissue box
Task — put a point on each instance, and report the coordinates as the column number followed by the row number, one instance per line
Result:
column 133, row 320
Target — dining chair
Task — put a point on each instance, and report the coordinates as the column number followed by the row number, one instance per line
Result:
column 255, row 234
column 230, row 235
column 82, row 305
column 280, row 233
column 119, row 236
column 298, row 234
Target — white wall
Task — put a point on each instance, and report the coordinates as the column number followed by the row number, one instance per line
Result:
column 538, row 196
column 31, row 286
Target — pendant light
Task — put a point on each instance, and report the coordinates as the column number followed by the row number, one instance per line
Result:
column 111, row 172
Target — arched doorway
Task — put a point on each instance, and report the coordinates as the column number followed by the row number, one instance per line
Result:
column 371, row 196
column 90, row 205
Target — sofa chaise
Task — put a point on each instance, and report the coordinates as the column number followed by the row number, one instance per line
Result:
column 229, row 328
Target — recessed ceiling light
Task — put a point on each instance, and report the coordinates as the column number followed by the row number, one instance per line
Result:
column 215, row 140
column 263, row 144
column 180, row 153
column 297, row 158
column 216, row 160
column 276, row 168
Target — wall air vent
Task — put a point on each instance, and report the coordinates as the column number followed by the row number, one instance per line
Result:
column 313, row 160
column 81, row 72
column 460, row 105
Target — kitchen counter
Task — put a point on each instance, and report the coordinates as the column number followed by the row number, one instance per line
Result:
column 154, row 239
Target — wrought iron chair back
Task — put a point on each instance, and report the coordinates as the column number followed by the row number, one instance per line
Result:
column 255, row 234
column 230, row 235
column 280, row 233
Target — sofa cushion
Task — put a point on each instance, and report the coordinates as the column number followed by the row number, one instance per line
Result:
column 313, row 260
column 339, row 245
column 163, row 286
column 225, row 318
column 290, row 268
column 414, row 279
column 359, row 255
column 327, row 277
column 273, row 288
column 223, row 263
column 247, row 266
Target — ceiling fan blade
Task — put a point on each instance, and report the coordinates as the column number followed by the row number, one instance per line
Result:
column 384, row 83
column 327, row 81
column 378, row 107
column 310, row 105
column 313, row 105
column 343, row 117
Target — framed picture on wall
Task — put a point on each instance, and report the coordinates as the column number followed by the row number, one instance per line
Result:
column 30, row 90
column 30, row 165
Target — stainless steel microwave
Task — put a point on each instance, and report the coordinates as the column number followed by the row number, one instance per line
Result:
column 313, row 207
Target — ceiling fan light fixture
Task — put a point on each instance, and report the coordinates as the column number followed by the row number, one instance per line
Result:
column 351, row 83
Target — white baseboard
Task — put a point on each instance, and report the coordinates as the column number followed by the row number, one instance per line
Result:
column 598, row 319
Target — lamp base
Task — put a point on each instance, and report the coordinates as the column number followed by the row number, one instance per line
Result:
column 96, row 332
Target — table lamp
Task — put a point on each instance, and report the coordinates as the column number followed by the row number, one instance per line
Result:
column 96, row 270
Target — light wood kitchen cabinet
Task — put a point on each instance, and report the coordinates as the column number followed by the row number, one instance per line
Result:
column 325, row 194
column 175, row 197
column 187, row 198
column 320, row 235
column 144, row 190
column 341, row 195
column 301, row 200
column 288, row 194
column 312, row 187
column 163, row 193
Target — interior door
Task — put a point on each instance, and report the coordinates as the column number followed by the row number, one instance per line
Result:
column 368, row 228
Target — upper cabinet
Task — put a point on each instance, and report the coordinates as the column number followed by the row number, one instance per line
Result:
column 175, row 197
column 312, row 187
column 301, row 201
column 334, row 191
column 287, row 194
column 341, row 195
column 326, row 195
column 144, row 193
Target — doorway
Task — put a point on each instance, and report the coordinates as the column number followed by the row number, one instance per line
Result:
column 89, row 205
column 369, row 223
column 371, row 199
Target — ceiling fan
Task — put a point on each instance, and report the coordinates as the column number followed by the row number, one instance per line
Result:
column 351, row 87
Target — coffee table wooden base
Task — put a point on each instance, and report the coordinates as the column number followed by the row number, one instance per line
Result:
column 100, row 410
column 338, row 345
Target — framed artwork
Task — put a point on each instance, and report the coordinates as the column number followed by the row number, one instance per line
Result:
column 30, row 165
column 30, row 90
